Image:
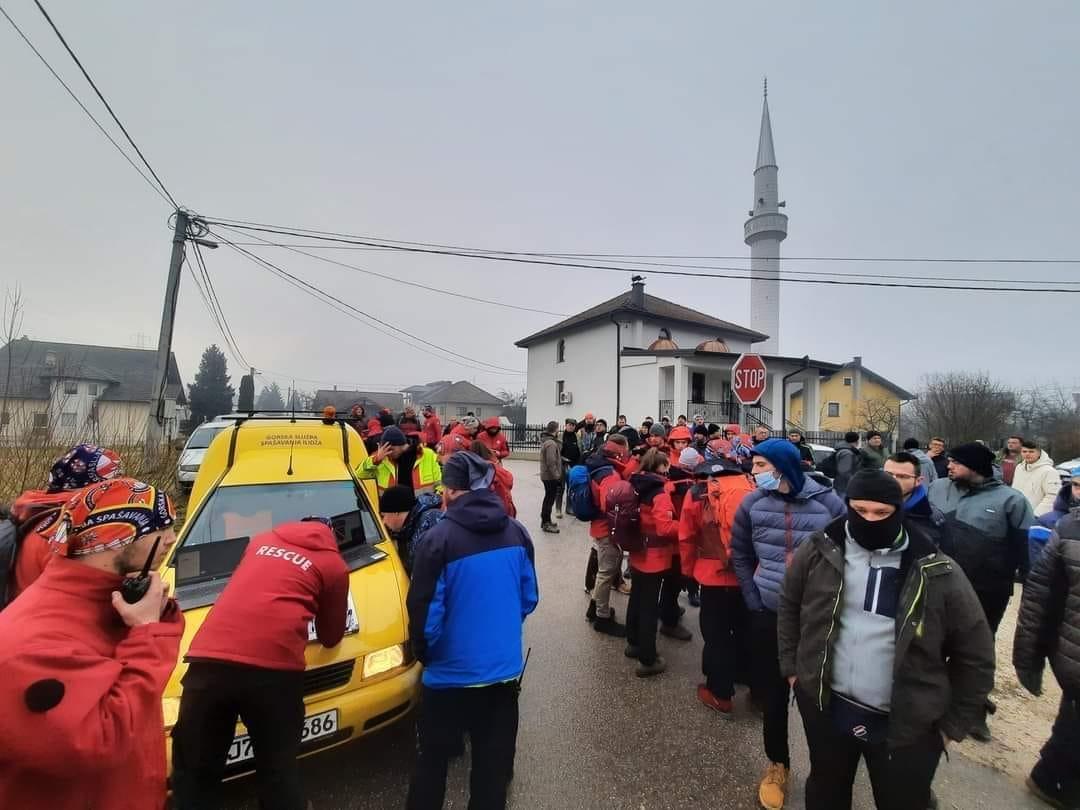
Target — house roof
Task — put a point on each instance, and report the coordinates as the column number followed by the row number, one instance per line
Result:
column 658, row 308
column 128, row 374
column 417, row 392
column 824, row 367
column 874, row 377
column 371, row 400
column 463, row 392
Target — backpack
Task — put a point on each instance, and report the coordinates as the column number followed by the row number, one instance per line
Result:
column 827, row 466
column 624, row 516
column 9, row 545
column 579, row 493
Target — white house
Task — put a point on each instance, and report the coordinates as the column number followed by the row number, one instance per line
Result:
column 639, row 355
column 453, row 400
column 72, row 392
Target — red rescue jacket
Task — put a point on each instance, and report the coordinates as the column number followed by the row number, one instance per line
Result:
column 431, row 432
column 496, row 444
column 457, row 439
column 102, row 745
column 658, row 525
column 36, row 512
column 502, row 484
column 287, row 577
column 598, row 527
column 705, row 529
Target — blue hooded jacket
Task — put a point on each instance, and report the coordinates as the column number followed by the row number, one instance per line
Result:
column 473, row 584
column 770, row 525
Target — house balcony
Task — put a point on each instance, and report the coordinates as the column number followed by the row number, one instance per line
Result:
column 722, row 413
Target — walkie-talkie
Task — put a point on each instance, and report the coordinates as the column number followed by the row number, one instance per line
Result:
column 133, row 589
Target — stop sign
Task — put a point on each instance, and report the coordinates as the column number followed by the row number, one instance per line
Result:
column 748, row 378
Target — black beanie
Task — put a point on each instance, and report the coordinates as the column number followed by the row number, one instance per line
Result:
column 976, row 457
column 875, row 485
column 397, row 499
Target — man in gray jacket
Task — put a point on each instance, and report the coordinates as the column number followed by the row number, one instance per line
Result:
column 926, row 465
column 887, row 648
column 551, row 473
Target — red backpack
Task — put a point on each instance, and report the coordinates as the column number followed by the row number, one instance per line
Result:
column 624, row 516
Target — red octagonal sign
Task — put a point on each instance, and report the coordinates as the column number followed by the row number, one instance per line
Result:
column 748, row 378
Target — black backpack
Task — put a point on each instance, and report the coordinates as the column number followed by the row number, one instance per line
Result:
column 827, row 467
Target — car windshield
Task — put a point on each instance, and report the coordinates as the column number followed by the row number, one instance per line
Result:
column 202, row 437
column 215, row 542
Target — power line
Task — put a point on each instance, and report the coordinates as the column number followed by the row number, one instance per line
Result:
column 108, row 107
column 427, row 287
column 223, row 322
column 213, row 315
column 89, row 114
column 304, row 232
column 325, row 297
column 663, row 272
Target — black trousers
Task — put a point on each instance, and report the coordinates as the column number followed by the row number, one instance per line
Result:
column 670, row 588
column 551, row 489
column 899, row 777
column 271, row 704
column 1059, row 760
column 771, row 687
column 993, row 605
column 642, row 612
column 490, row 716
column 727, row 639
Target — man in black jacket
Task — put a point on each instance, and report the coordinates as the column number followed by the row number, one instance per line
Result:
column 887, row 647
column 907, row 471
column 570, row 451
column 1048, row 626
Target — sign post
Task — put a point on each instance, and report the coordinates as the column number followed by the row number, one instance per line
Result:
column 748, row 379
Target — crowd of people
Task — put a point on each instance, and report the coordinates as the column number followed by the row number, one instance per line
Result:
column 865, row 587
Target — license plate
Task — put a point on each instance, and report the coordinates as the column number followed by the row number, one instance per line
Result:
column 317, row 725
column 352, row 622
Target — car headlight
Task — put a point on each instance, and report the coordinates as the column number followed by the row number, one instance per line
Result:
column 170, row 710
column 383, row 660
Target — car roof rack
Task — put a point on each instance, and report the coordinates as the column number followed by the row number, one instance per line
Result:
column 327, row 416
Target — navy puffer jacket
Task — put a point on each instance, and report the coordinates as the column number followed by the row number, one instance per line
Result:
column 768, row 527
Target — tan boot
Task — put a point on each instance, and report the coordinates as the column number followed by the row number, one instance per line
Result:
column 773, row 788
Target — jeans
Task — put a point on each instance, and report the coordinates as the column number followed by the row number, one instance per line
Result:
column 1059, row 760
column 899, row 777
column 551, row 489
column 724, row 631
column 771, row 687
column 490, row 716
column 271, row 704
column 642, row 613
column 608, row 561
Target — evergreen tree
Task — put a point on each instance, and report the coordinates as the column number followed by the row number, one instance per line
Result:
column 211, row 393
column 270, row 399
column 246, row 400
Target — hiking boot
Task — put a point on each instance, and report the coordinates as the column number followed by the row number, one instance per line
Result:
column 706, row 696
column 609, row 627
column 648, row 670
column 631, row 651
column 676, row 631
column 981, row 732
column 624, row 587
column 550, row 528
column 1050, row 794
column 773, row 788
column 590, row 614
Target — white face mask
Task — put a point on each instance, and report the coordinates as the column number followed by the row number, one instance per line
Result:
column 767, row 480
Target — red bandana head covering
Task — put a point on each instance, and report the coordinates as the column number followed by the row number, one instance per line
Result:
column 110, row 515
column 82, row 465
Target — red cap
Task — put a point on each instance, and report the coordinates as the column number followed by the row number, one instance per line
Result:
column 679, row 432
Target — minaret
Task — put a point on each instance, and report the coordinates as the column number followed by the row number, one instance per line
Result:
column 764, row 232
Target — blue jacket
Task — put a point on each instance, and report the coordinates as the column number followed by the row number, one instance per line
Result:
column 473, row 584
column 1062, row 504
column 768, row 527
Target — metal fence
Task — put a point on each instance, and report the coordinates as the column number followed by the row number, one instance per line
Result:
column 722, row 413
column 524, row 438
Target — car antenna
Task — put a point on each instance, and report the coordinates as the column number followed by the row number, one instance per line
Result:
column 292, row 442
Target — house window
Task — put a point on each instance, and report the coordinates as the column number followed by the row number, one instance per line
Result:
column 462, row 411
column 833, row 411
column 560, row 351
column 71, row 387
column 560, row 389
column 847, row 381
column 697, row 387
column 92, row 389
column 41, row 421
column 67, row 420
column 477, row 413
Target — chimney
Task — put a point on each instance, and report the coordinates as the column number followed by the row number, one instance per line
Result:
column 637, row 292
column 335, row 386
column 857, row 361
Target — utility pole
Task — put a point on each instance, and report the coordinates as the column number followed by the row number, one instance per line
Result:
column 155, row 421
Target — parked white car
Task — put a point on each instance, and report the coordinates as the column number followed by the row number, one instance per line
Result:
column 1066, row 468
column 192, row 455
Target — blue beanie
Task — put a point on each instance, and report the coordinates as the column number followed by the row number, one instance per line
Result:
column 783, row 455
column 394, row 437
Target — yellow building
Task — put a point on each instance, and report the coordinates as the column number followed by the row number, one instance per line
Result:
column 854, row 398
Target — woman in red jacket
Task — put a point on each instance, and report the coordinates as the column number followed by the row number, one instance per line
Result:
column 705, row 551
column 503, row 481
column 660, row 530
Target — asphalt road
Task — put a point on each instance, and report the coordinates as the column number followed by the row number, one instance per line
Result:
column 593, row 735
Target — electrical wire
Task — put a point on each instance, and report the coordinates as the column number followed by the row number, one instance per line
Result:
column 89, row 114
column 549, row 254
column 223, row 323
column 664, row 272
column 108, row 107
column 416, row 284
column 351, row 311
column 210, row 310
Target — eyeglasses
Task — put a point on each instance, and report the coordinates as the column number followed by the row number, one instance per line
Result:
column 904, row 476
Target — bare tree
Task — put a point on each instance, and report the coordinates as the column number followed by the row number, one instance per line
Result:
column 1049, row 414
column 962, row 406
column 878, row 414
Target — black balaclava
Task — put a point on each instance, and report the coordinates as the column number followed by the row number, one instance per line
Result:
column 880, row 487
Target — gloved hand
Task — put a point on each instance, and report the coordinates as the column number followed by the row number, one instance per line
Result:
column 1031, row 680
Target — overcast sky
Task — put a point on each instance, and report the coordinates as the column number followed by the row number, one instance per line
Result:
column 926, row 129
